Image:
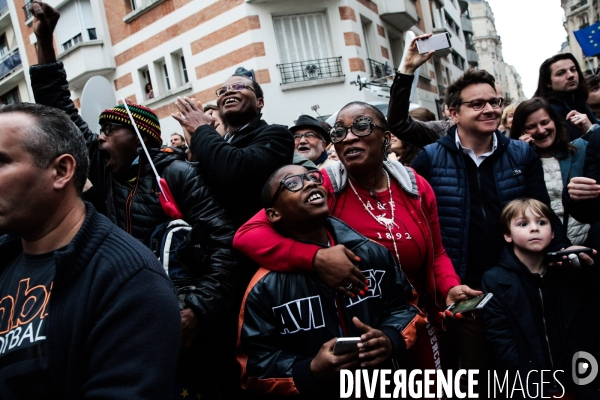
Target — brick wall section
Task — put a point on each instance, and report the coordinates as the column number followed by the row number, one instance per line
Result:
column 116, row 10
column 347, row 13
column 421, row 23
column 381, row 31
column 228, row 32
column 132, row 99
column 370, row 5
column 432, row 74
column 425, row 85
column 29, row 50
column 123, row 81
column 231, row 59
column 262, row 76
column 385, row 53
column 357, row 64
column 351, row 39
column 171, row 32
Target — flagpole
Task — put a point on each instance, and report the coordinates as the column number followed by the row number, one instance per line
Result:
column 590, row 65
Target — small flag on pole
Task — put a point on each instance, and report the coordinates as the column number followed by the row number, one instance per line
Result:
column 589, row 39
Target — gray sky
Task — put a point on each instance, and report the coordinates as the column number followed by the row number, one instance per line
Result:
column 531, row 31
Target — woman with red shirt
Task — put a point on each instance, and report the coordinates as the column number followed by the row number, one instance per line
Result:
column 386, row 202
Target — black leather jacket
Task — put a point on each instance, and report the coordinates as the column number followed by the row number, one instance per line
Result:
column 134, row 206
column 286, row 317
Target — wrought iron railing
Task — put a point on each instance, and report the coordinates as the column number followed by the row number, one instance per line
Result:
column 377, row 69
column 311, row 70
column 9, row 63
column 28, row 13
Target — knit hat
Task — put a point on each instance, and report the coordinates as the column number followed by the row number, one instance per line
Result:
column 145, row 119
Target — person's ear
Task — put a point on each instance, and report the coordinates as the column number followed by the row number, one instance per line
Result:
column 508, row 238
column 260, row 103
column 453, row 114
column 273, row 215
column 63, row 170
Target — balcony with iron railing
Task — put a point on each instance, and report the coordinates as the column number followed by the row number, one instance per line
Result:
column 377, row 69
column 321, row 71
column 9, row 63
column 577, row 7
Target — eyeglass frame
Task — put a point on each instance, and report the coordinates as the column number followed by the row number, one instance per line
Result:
column 314, row 135
column 371, row 126
column 485, row 102
column 110, row 131
column 230, row 87
column 304, row 178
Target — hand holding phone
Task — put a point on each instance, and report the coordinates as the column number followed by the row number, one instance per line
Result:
column 345, row 345
column 555, row 256
column 472, row 304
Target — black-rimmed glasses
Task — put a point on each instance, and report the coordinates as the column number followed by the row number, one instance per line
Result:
column 295, row 183
column 479, row 104
column 236, row 86
column 360, row 127
column 109, row 128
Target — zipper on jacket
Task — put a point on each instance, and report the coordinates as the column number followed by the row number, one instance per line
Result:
column 130, row 197
column 546, row 332
column 343, row 327
column 485, row 224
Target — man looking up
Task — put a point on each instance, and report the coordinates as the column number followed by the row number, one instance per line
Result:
column 88, row 311
column 285, row 353
column 561, row 82
column 310, row 140
column 127, row 192
column 238, row 166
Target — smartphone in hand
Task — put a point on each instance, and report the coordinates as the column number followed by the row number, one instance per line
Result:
column 435, row 42
column 345, row 345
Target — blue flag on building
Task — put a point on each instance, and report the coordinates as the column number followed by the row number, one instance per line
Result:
column 589, row 39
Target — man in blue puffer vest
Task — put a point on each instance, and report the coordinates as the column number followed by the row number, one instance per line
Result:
column 474, row 171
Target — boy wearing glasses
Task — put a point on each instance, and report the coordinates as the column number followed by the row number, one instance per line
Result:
column 289, row 322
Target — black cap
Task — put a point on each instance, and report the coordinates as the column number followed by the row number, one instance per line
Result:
column 306, row 121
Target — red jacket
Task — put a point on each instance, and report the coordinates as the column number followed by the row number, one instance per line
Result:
column 259, row 241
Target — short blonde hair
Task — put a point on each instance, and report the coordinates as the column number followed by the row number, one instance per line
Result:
column 517, row 208
column 509, row 109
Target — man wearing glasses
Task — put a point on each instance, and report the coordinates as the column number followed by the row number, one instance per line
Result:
column 238, row 166
column 310, row 141
column 289, row 322
column 474, row 171
column 125, row 190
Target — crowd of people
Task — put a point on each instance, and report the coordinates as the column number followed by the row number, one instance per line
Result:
column 293, row 238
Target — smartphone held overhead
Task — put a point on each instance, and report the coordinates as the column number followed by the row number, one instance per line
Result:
column 433, row 43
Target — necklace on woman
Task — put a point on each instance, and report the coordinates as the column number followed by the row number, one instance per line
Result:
column 381, row 219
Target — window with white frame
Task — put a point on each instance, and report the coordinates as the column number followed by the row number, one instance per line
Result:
column 165, row 75
column 3, row 45
column 302, row 37
column 180, row 71
column 141, row 4
column 183, row 69
column 76, row 24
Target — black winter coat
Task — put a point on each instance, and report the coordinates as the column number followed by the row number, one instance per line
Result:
column 135, row 207
column 239, row 170
column 522, row 335
column 113, row 325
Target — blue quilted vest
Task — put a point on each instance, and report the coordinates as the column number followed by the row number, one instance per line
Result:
column 448, row 179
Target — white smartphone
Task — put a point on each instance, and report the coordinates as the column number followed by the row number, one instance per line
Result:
column 345, row 345
column 435, row 42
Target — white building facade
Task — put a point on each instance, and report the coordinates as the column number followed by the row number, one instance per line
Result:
column 303, row 53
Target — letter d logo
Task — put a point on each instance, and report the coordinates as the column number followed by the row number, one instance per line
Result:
column 584, row 363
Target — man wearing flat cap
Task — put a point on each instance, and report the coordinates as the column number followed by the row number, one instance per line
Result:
column 126, row 191
column 311, row 140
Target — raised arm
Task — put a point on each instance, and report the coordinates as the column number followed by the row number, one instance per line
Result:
column 401, row 124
